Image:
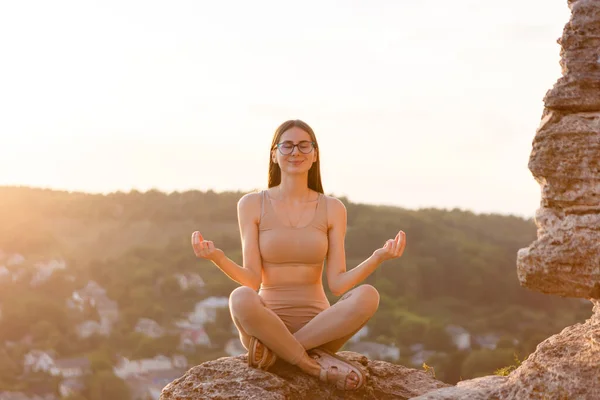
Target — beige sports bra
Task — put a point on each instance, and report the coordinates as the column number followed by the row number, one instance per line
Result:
column 282, row 245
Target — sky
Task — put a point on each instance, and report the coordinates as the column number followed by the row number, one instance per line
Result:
column 415, row 104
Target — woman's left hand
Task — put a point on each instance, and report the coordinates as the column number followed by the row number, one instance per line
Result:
column 393, row 248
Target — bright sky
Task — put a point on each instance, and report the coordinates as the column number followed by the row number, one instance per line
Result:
column 429, row 103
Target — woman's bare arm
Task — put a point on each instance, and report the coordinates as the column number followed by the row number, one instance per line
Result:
column 250, row 273
column 338, row 279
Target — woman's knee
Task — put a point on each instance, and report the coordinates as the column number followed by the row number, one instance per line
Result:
column 243, row 300
column 367, row 298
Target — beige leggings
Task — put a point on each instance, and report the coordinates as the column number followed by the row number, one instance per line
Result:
column 291, row 320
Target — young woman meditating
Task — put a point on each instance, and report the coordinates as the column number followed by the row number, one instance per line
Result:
column 289, row 233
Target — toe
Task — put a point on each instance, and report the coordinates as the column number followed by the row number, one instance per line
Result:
column 352, row 380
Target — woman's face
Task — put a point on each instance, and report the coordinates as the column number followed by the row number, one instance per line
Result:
column 301, row 157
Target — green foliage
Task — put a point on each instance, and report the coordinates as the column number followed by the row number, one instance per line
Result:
column 105, row 385
column 458, row 268
column 481, row 362
column 505, row 371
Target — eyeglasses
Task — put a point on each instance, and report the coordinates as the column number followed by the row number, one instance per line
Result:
column 287, row 147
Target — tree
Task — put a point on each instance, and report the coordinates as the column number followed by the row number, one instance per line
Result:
column 105, row 385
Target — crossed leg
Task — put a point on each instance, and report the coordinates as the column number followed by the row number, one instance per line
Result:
column 330, row 329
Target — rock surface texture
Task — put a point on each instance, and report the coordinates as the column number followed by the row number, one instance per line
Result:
column 565, row 258
column 230, row 378
column 565, row 160
column 565, row 366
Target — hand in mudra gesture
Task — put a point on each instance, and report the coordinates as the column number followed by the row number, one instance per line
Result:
column 393, row 248
column 205, row 248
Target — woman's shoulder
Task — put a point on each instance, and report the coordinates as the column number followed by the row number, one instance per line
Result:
column 334, row 205
column 332, row 200
column 250, row 201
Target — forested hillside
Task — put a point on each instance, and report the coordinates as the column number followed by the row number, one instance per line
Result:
column 452, row 300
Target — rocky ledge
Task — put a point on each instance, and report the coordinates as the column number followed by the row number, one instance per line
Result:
column 564, row 366
column 230, row 378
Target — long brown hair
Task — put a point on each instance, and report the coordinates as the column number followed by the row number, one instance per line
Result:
column 314, row 173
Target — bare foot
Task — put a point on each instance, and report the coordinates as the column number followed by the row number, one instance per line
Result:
column 310, row 365
column 351, row 378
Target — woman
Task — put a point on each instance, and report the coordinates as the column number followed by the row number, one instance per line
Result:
column 288, row 231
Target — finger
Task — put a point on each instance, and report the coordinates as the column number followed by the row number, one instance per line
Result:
column 403, row 240
column 195, row 239
column 204, row 245
column 210, row 246
column 393, row 247
column 200, row 238
column 398, row 237
column 388, row 244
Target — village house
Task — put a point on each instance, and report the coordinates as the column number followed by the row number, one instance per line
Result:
column 206, row 310
column 71, row 367
column 189, row 281
column 363, row 332
column 192, row 336
column 45, row 270
column 89, row 328
column 149, row 327
column 460, row 336
column 420, row 355
column 108, row 310
column 23, row 396
column 15, row 259
column 375, row 351
column 488, row 341
column 150, row 386
column 37, row 361
column 126, row 369
column 234, row 347
column 70, row 387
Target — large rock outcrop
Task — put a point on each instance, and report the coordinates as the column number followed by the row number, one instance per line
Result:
column 230, row 378
column 565, row 258
column 565, row 160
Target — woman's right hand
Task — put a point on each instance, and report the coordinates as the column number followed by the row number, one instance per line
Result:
column 205, row 248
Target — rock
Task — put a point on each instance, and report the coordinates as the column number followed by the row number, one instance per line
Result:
column 565, row 160
column 230, row 378
column 565, row 258
column 564, row 366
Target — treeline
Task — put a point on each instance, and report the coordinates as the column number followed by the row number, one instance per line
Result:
column 458, row 268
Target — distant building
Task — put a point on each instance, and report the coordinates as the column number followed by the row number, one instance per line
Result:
column 191, row 337
column 460, row 336
column 71, row 386
column 126, row 369
column 4, row 273
column 363, row 332
column 375, row 351
column 206, row 310
column 89, row 328
column 419, row 357
column 149, row 327
column 488, row 341
column 23, row 396
column 71, row 367
column 149, row 386
column 45, row 270
column 37, row 361
column 189, row 281
column 234, row 347
column 15, row 259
